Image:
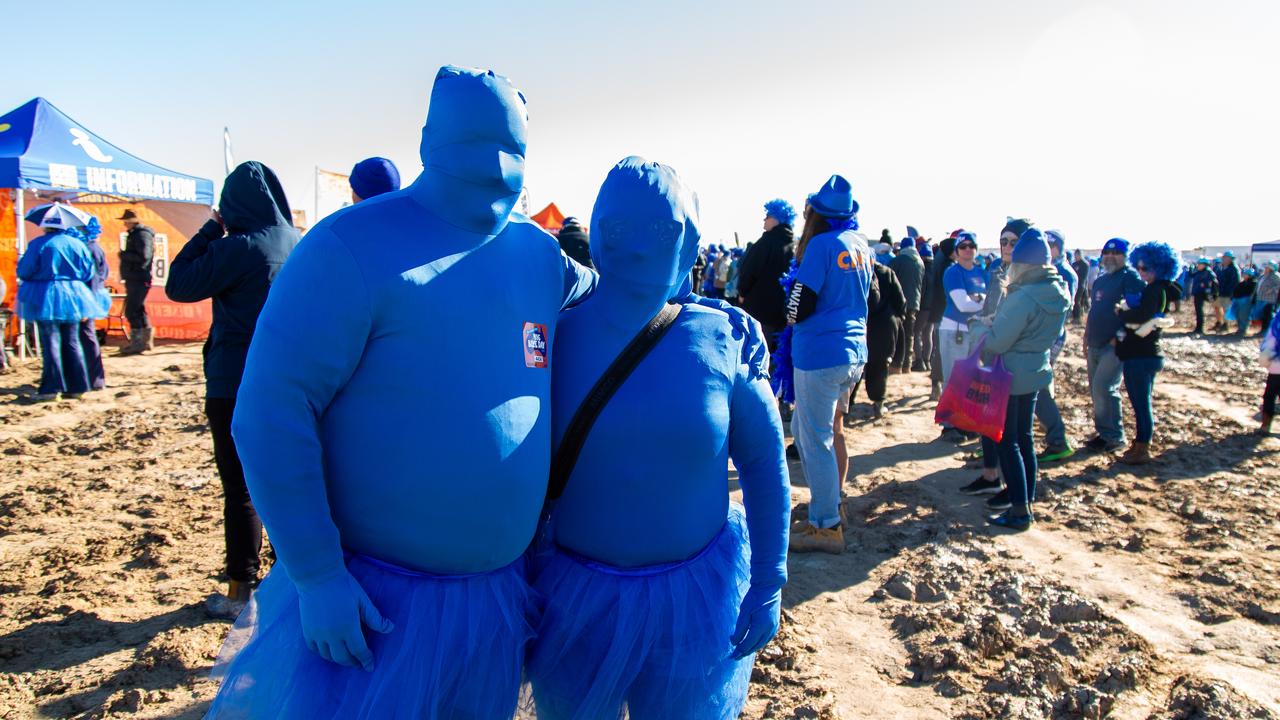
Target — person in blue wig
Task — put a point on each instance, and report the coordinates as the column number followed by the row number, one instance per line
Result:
column 765, row 261
column 828, row 309
column 397, row 443
column 1028, row 323
column 55, row 271
column 654, row 602
column 372, row 177
column 1138, row 341
column 98, row 284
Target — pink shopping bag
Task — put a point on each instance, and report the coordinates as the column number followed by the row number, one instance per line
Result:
column 976, row 398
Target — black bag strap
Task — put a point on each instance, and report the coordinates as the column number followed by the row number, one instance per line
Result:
column 575, row 436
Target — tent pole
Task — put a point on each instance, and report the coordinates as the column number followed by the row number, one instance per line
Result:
column 315, row 209
column 20, row 211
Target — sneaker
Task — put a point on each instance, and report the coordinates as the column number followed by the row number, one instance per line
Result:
column 72, row 396
column 221, row 607
column 1100, row 445
column 968, row 437
column 1006, row 519
column 1053, row 454
column 45, row 397
column 999, row 501
column 812, row 539
column 982, row 486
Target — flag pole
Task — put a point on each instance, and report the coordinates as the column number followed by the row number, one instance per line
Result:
column 315, row 209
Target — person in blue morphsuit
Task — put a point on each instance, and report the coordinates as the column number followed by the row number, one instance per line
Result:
column 654, row 602
column 397, row 443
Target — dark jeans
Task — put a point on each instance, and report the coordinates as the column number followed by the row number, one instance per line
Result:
column 1199, row 303
column 241, row 526
column 135, row 309
column 906, row 339
column 92, row 355
column 1267, row 310
column 1270, row 394
column 935, row 356
column 990, row 454
column 63, row 359
column 923, row 340
column 1139, row 381
column 1018, row 451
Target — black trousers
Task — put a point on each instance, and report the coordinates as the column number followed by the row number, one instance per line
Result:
column 135, row 309
column 241, row 526
column 92, row 355
column 906, row 339
column 1270, row 394
column 1199, row 302
column 882, row 338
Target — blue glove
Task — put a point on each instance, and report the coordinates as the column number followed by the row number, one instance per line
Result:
column 332, row 614
column 758, row 619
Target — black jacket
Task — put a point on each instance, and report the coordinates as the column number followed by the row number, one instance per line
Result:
column 573, row 241
column 1156, row 298
column 937, row 295
column 135, row 259
column 759, row 272
column 236, row 269
column 1245, row 288
column 885, row 307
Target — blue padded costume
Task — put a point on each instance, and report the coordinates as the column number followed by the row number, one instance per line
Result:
column 396, row 440
column 654, row 601
column 55, row 271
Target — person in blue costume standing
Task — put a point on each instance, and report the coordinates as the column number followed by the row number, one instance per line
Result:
column 828, row 307
column 372, row 177
column 655, row 602
column 98, row 284
column 55, row 271
column 397, row 443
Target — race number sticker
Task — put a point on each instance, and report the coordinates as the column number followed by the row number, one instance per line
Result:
column 535, row 345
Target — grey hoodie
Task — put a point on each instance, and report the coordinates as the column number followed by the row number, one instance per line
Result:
column 1027, row 324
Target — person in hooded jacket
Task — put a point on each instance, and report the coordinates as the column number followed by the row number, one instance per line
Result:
column 1202, row 285
column 909, row 269
column 98, row 285
column 1228, row 278
column 55, row 270
column 666, row 627
column 1138, row 341
column 924, row 326
column 233, row 259
column 397, row 444
column 1029, row 322
column 573, row 241
column 943, row 260
column 763, row 265
column 886, row 305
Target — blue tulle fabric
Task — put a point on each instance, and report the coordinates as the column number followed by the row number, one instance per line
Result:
column 783, row 377
column 58, row 301
column 456, row 651
column 652, row 642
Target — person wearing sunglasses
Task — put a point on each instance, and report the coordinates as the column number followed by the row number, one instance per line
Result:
column 1115, row 281
column 1138, row 342
column 1024, row 329
column 965, row 285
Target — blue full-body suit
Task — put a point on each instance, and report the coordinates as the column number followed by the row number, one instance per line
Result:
column 654, row 602
column 395, row 429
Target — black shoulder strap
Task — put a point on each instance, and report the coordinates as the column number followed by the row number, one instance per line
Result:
column 585, row 416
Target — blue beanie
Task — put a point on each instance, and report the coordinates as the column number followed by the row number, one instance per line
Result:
column 924, row 250
column 1017, row 226
column 1117, row 244
column 374, row 176
column 780, row 210
column 834, row 199
column 1032, row 248
column 906, row 243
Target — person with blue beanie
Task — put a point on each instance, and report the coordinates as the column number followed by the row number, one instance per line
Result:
column 827, row 307
column 1028, row 323
column 965, row 287
column 55, row 270
column 1115, row 281
column 667, row 626
column 765, row 261
column 1138, row 340
column 372, row 177
column 397, row 444
column 1057, row 448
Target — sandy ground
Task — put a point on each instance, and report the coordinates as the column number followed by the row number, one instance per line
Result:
column 1147, row 593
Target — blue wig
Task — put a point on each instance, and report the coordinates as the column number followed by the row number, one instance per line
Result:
column 780, row 210
column 1159, row 258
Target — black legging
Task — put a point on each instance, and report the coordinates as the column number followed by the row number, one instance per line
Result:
column 241, row 526
column 906, row 338
column 1270, row 394
column 882, row 336
column 1199, row 303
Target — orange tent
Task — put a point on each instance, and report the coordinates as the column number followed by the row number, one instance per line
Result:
column 550, row 218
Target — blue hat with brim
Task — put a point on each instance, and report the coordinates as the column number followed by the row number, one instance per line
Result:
column 1119, row 245
column 834, row 199
column 1202, row 260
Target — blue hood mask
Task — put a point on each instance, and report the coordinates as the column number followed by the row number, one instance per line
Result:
column 473, row 147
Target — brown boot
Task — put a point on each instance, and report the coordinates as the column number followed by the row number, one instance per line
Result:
column 135, row 344
column 1139, row 453
column 148, row 339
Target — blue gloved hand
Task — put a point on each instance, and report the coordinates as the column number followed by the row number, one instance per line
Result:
column 332, row 613
column 758, row 619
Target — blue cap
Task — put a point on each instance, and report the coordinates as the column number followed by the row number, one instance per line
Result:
column 374, row 176
column 1055, row 238
column 1229, row 254
column 1202, row 260
column 1032, row 248
column 1117, row 245
column 965, row 235
column 834, row 199
column 924, row 250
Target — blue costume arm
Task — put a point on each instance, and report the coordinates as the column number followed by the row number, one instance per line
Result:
column 303, row 354
column 756, row 447
column 579, row 282
column 29, row 263
column 196, row 273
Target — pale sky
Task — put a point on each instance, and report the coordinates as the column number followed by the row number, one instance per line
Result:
column 1145, row 119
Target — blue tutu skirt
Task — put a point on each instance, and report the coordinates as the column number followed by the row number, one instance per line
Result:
column 650, row 641
column 57, row 301
column 456, row 650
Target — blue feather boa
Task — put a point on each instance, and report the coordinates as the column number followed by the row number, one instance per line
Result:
column 783, row 377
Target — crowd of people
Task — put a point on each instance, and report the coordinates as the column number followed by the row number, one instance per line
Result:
column 455, row 514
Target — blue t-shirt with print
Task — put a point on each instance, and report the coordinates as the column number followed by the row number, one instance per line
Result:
column 970, row 281
column 836, row 266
